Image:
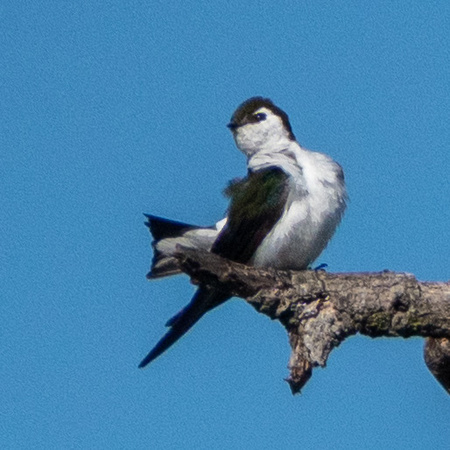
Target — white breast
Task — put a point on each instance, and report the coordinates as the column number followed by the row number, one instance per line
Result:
column 313, row 211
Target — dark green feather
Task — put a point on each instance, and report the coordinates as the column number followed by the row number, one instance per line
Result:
column 257, row 203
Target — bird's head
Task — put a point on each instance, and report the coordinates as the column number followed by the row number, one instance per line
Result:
column 258, row 124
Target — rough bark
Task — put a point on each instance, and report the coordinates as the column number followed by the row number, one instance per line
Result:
column 319, row 309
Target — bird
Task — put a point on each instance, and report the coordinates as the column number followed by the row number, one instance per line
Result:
column 281, row 215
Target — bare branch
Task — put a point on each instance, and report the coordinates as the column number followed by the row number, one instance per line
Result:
column 319, row 310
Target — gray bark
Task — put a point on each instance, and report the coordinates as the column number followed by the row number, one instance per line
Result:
column 319, row 310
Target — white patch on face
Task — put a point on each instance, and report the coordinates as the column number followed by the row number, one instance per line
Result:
column 267, row 134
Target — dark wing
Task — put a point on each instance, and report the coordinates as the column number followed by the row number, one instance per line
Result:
column 257, row 203
column 203, row 301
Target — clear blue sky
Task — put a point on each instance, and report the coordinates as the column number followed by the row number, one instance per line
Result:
column 112, row 109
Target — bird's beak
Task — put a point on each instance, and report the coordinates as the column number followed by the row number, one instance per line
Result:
column 232, row 125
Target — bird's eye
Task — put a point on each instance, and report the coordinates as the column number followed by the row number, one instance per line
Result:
column 260, row 117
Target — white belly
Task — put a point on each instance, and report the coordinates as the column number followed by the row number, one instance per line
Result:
column 301, row 234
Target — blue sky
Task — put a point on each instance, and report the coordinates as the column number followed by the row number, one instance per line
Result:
column 113, row 109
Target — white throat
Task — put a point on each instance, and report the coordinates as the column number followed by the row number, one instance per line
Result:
column 267, row 136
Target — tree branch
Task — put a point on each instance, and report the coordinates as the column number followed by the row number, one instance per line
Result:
column 319, row 310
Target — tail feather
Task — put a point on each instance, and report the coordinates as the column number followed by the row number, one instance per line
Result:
column 163, row 264
column 166, row 235
column 164, row 228
column 203, row 301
